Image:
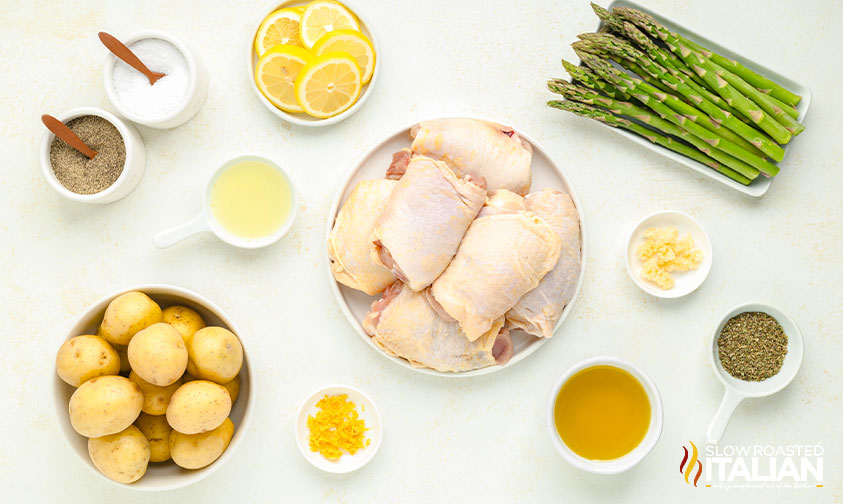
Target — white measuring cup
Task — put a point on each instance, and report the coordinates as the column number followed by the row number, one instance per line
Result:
column 736, row 389
column 206, row 221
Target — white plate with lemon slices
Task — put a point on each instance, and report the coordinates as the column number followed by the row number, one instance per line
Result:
column 318, row 61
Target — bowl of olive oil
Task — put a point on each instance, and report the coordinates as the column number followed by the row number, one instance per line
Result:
column 605, row 415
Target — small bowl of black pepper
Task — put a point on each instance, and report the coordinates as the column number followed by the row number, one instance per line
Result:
column 111, row 174
column 756, row 351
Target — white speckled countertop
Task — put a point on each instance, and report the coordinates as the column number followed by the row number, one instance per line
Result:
column 472, row 440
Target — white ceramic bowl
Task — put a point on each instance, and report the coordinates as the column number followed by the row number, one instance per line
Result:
column 546, row 172
column 197, row 90
column 686, row 281
column 166, row 475
column 367, row 411
column 206, row 221
column 132, row 170
column 639, row 452
column 736, row 390
column 303, row 119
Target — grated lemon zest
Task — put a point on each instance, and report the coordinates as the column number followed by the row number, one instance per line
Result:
column 337, row 428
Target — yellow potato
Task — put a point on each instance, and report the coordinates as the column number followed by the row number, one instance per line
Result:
column 185, row 320
column 84, row 357
column 194, row 451
column 158, row 355
column 198, row 406
column 128, row 314
column 157, row 432
column 123, row 352
column 122, row 457
column 215, row 354
column 233, row 388
column 105, row 405
column 155, row 398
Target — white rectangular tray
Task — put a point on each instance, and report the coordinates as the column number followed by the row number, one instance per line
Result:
column 760, row 185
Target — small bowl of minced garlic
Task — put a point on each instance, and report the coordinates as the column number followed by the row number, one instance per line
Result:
column 668, row 254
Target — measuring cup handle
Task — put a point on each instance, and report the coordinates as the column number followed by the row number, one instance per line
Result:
column 174, row 235
column 730, row 401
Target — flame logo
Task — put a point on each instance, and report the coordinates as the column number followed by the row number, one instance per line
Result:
column 686, row 467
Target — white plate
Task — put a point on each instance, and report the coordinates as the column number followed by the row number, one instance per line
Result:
column 686, row 281
column 368, row 413
column 760, row 185
column 355, row 304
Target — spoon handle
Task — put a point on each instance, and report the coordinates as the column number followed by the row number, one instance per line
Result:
column 717, row 427
column 124, row 53
column 67, row 135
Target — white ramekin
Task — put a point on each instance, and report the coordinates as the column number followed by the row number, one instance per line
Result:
column 632, row 458
column 301, row 118
column 132, row 170
column 197, row 91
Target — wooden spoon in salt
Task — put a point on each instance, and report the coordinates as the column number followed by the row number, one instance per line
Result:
column 67, row 135
column 124, row 53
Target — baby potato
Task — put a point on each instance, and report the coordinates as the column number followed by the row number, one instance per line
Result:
column 155, row 398
column 185, row 320
column 215, row 354
column 122, row 457
column 123, row 352
column 105, row 405
column 157, row 431
column 194, row 451
column 233, row 388
column 158, row 355
column 128, row 314
column 83, row 357
column 198, row 406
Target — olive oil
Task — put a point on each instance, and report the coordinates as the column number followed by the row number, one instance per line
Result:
column 602, row 413
column 251, row 199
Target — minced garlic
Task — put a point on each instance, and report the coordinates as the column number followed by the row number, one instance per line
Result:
column 663, row 251
column 336, row 428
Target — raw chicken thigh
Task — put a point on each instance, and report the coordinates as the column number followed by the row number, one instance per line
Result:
column 538, row 311
column 501, row 258
column 403, row 323
column 477, row 148
column 424, row 221
column 351, row 261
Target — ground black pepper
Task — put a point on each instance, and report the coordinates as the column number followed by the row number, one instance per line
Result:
column 89, row 176
column 752, row 346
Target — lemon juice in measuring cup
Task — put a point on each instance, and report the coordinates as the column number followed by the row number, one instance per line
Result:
column 249, row 202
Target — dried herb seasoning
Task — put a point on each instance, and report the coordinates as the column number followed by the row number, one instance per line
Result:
column 752, row 346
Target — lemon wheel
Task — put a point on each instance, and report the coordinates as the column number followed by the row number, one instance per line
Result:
column 323, row 16
column 276, row 74
column 329, row 84
column 280, row 27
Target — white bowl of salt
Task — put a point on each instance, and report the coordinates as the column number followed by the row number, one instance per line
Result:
column 172, row 100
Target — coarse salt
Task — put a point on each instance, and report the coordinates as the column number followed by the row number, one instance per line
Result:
column 133, row 90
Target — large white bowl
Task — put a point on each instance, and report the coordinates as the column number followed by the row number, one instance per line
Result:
column 372, row 165
column 638, row 453
column 301, row 118
column 164, row 475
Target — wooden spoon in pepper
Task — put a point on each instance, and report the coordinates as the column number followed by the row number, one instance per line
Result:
column 124, row 53
column 67, row 135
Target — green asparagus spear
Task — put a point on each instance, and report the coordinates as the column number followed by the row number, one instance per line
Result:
column 619, row 47
column 647, row 117
column 585, row 45
column 638, row 89
column 587, row 78
column 657, row 138
column 760, row 82
column 705, row 69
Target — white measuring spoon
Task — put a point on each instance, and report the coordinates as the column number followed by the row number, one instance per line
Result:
column 206, row 221
column 737, row 390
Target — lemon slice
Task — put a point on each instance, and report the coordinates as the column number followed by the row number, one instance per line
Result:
column 329, row 84
column 280, row 27
column 276, row 73
column 323, row 16
column 354, row 43
column 299, row 8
